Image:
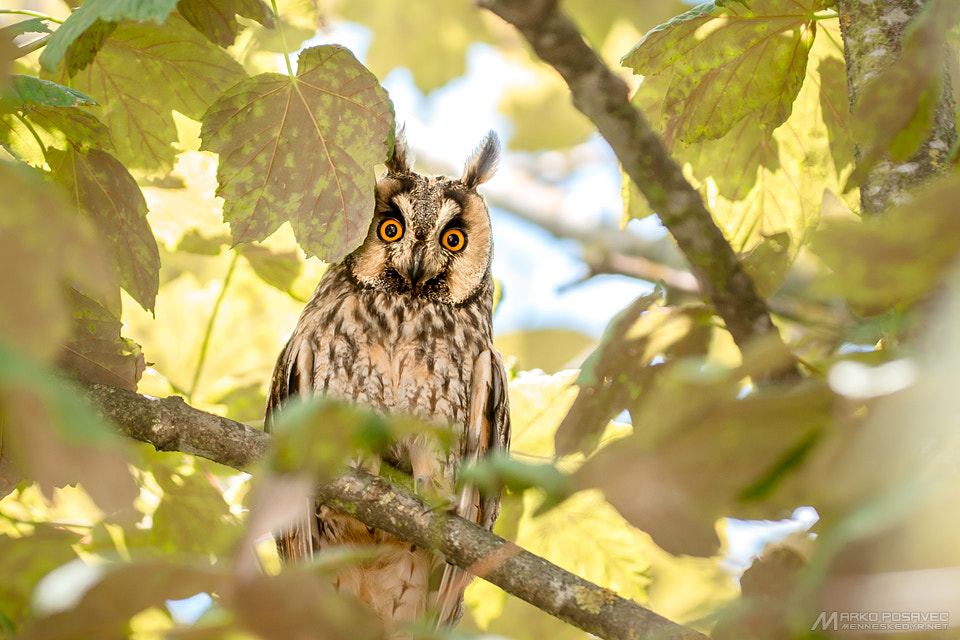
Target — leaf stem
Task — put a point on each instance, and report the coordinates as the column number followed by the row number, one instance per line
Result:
column 32, row 14
column 36, row 136
column 209, row 331
column 283, row 39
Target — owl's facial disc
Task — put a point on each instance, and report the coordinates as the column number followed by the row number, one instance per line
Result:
column 430, row 235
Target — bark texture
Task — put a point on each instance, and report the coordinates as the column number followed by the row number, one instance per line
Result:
column 873, row 33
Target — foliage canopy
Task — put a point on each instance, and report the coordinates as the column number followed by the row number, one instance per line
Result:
column 122, row 122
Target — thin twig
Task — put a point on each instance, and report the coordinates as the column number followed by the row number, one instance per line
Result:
column 208, row 333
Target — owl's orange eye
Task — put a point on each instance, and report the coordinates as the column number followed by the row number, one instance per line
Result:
column 390, row 230
column 453, row 240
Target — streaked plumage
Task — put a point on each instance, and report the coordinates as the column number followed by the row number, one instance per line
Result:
column 403, row 325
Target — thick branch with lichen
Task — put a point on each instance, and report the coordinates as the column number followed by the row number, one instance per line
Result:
column 873, row 39
column 604, row 98
column 169, row 424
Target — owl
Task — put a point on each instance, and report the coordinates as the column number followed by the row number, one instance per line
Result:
column 403, row 325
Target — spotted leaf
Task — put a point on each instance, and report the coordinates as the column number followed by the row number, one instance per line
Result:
column 301, row 150
column 107, row 194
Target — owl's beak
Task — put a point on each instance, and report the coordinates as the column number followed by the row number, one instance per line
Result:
column 415, row 272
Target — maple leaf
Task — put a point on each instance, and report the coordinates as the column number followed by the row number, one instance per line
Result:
column 300, row 150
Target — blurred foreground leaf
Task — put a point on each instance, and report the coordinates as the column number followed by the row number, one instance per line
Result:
column 192, row 515
column 300, row 605
column 616, row 373
column 900, row 257
column 63, row 248
column 24, row 560
column 56, row 438
column 698, row 453
column 105, row 610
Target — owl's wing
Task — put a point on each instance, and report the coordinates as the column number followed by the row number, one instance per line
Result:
column 293, row 375
column 487, row 431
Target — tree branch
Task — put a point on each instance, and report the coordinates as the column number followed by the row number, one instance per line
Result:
column 603, row 97
column 170, row 424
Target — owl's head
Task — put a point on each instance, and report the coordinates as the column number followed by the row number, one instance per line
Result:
column 430, row 235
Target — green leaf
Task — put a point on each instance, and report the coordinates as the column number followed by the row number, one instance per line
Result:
column 302, row 150
column 617, row 372
column 106, row 10
column 635, row 204
column 85, row 48
column 317, row 435
column 217, row 20
column 38, row 228
column 27, row 91
column 55, row 437
column 494, row 473
column 24, row 560
column 96, row 352
column 195, row 242
column 899, row 258
column 192, row 72
column 726, row 63
column 593, row 370
column 30, row 25
column 279, row 269
column 705, row 456
column 108, row 196
column 57, row 127
column 125, row 590
column 192, row 515
column 767, row 262
column 759, row 182
column 834, row 105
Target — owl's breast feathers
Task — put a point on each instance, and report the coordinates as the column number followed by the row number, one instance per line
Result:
column 400, row 354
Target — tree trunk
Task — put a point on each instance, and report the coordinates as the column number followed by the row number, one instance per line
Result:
column 873, row 32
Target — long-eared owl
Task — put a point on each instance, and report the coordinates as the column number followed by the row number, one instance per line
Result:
column 403, row 325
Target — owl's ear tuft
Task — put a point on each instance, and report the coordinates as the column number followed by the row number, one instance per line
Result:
column 482, row 164
column 402, row 160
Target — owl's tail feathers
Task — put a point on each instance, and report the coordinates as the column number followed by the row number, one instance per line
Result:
column 296, row 544
column 395, row 586
column 449, row 597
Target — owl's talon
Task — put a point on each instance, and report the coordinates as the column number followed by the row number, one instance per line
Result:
column 419, row 484
column 448, row 503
